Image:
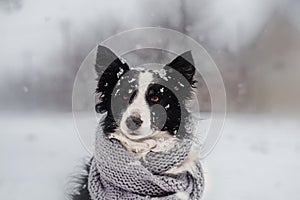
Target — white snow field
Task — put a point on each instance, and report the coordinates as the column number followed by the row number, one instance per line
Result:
column 257, row 158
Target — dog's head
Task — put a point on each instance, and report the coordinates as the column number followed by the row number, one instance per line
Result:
column 140, row 102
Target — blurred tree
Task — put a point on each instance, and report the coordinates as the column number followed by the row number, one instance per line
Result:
column 11, row 5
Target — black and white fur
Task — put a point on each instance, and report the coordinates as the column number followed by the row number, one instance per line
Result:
column 146, row 109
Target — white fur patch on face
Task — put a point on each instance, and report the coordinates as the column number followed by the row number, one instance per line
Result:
column 139, row 106
column 158, row 141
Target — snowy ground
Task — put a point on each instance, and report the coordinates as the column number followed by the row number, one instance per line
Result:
column 256, row 158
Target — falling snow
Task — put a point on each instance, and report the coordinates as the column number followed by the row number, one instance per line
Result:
column 25, row 89
column 162, row 74
column 180, row 84
column 130, row 81
column 123, row 60
column 120, row 72
column 118, row 90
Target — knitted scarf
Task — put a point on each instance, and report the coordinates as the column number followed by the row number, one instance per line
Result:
column 116, row 174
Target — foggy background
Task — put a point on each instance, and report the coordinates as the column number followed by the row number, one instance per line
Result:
column 255, row 44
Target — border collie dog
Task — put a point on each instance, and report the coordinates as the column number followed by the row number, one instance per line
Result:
column 146, row 109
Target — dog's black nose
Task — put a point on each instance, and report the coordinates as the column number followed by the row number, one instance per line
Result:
column 133, row 122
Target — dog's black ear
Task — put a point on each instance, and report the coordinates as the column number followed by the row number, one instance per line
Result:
column 109, row 69
column 184, row 64
column 108, row 62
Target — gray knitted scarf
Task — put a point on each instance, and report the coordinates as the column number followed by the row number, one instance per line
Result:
column 116, row 174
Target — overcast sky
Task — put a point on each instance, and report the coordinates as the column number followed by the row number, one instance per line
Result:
column 34, row 28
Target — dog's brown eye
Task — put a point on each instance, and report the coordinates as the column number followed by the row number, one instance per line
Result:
column 155, row 99
column 125, row 97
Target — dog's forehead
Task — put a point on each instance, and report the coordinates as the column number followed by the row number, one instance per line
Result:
column 140, row 78
column 130, row 74
column 129, row 78
column 140, row 75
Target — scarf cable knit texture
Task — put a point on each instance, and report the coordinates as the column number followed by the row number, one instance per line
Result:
column 116, row 174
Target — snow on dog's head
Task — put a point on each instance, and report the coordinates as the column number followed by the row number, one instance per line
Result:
column 141, row 101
